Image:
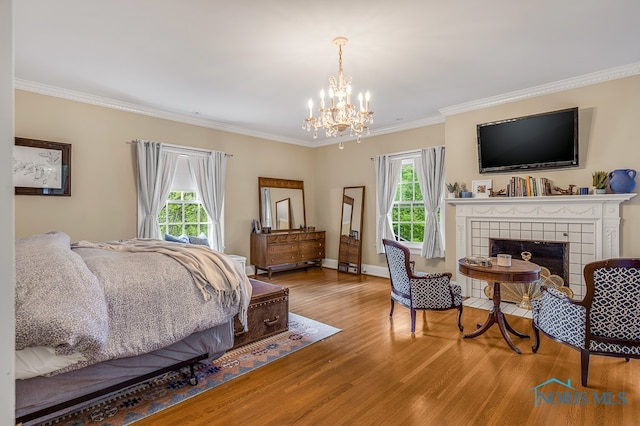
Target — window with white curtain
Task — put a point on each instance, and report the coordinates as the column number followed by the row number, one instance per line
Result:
column 408, row 212
column 183, row 212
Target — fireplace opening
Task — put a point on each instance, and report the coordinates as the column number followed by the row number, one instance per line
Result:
column 552, row 255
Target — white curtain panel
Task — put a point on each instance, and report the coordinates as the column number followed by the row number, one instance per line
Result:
column 156, row 168
column 209, row 173
column 387, row 177
column 430, row 169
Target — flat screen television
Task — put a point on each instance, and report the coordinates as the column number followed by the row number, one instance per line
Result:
column 541, row 141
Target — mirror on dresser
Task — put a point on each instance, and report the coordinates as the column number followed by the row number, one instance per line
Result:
column 350, row 250
column 284, row 242
column 281, row 204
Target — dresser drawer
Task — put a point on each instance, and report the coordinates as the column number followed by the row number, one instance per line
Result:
column 312, row 251
column 307, row 236
column 282, row 258
column 312, row 245
column 274, row 249
column 282, row 238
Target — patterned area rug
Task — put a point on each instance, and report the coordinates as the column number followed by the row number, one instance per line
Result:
column 142, row 400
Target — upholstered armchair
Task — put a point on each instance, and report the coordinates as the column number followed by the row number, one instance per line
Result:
column 426, row 291
column 606, row 322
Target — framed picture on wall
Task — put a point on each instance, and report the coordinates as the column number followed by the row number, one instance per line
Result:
column 41, row 167
column 481, row 188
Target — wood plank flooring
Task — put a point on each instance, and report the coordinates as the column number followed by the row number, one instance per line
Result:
column 374, row 372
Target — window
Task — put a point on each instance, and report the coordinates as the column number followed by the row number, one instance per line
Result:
column 407, row 214
column 183, row 214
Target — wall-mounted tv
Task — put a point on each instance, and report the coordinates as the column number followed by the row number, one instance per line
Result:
column 541, row 141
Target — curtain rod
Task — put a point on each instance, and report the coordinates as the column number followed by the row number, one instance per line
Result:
column 407, row 153
column 402, row 154
column 181, row 147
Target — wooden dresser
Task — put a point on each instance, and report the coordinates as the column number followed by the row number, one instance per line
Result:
column 287, row 250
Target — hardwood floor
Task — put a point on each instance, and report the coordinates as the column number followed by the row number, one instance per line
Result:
column 375, row 372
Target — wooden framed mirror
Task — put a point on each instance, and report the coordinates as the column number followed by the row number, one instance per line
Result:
column 347, row 215
column 283, row 214
column 351, row 217
column 281, row 203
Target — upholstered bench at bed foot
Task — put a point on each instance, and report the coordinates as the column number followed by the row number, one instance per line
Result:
column 268, row 313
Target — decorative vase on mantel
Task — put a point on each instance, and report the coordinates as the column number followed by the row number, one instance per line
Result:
column 621, row 181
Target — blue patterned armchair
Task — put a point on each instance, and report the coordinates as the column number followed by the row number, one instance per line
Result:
column 432, row 291
column 606, row 322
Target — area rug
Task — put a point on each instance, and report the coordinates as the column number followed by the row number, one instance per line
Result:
column 142, row 400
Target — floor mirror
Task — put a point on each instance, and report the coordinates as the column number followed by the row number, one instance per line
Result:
column 350, row 251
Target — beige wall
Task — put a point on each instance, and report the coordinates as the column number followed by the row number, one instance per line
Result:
column 353, row 167
column 102, row 205
column 103, row 201
column 609, row 132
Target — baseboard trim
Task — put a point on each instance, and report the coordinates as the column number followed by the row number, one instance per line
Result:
column 373, row 270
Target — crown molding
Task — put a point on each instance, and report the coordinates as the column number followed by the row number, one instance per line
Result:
column 545, row 89
column 567, row 84
column 101, row 101
column 394, row 128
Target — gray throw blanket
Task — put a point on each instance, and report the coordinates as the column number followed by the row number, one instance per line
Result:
column 207, row 266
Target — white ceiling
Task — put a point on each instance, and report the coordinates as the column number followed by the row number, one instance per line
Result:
column 251, row 66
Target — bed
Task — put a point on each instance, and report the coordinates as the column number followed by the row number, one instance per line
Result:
column 95, row 317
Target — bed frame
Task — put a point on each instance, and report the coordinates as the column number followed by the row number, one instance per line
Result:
column 45, row 398
column 193, row 380
column 268, row 315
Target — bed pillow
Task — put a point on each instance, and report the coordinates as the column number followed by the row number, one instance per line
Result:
column 59, row 301
column 201, row 240
column 180, row 239
column 41, row 360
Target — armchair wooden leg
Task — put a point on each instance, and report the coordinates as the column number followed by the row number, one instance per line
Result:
column 536, row 338
column 460, row 327
column 392, row 306
column 584, row 365
column 413, row 320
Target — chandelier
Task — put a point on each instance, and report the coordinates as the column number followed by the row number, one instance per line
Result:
column 340, row 114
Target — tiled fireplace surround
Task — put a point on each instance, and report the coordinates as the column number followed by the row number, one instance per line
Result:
column 589, row 223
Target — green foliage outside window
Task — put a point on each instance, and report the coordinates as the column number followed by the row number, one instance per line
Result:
column 407, row 215
column 183, row 214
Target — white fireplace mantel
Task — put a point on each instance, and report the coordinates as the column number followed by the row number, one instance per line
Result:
column 590, row 222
